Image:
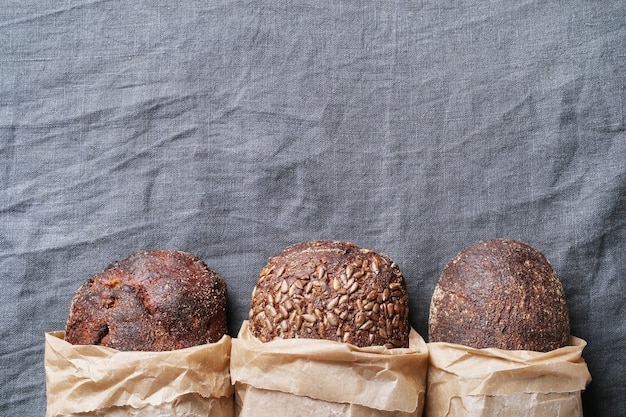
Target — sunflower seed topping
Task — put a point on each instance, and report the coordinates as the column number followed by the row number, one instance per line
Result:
column 319, row 293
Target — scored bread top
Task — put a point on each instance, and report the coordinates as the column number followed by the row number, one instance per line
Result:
column 500, row 293
column 331, row 290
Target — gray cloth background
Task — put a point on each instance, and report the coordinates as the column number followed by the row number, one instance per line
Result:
column 233, row 129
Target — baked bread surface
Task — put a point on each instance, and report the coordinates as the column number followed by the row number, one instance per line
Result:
column 331, row 290
column 500, row 293
column 150, row 301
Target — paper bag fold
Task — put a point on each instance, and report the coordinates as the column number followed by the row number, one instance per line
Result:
column 327, row 375
column 104, row 381
column 463, row 381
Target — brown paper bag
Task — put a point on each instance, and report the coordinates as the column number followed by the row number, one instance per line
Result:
column 311, row 377
column 98, row 381
column 463, row 381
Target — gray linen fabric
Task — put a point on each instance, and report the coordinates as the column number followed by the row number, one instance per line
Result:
column 232, row 129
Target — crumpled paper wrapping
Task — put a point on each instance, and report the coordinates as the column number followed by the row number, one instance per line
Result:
column 463, row 381
column 311, row 377
column 97, row 381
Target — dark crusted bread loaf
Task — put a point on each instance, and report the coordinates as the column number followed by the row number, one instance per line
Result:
column 331, row 290
column 150, row 301
column 500, row 293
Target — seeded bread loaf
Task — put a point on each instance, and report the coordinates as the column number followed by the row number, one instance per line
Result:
column 500, row 293
column 150, row 301
column 331, row 290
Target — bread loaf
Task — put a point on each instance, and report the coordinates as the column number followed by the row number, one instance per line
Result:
column 331, row 290
column 500, row 293
column 150, row 301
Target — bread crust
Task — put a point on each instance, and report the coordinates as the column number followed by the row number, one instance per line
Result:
column 500, row 293
column 332, row 290
column 150, row 301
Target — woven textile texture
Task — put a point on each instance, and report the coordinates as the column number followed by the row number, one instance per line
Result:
column 232, row 129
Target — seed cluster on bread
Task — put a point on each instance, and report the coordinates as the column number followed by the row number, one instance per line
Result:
column 150, row 301
column 333, row 290
column 500, row 293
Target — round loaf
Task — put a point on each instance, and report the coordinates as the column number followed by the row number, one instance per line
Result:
column 500, row 293
column 331, row 290
column 150, row 301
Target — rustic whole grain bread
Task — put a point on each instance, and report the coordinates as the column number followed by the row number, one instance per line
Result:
column 500, row 293
column 150, row 301
column 331, row 290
